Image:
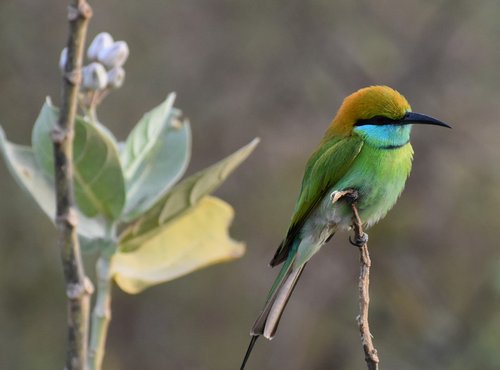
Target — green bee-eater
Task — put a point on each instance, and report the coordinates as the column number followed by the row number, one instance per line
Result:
column 366, row 148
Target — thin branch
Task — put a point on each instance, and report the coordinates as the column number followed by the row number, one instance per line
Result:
column 371, row 355
column 78, row 287
column 361, row 241
column 101, row 315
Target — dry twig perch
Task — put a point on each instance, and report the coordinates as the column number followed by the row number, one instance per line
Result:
column 361, row 241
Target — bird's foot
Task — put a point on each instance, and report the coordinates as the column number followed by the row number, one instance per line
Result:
column 350, row 195
column 359, row 240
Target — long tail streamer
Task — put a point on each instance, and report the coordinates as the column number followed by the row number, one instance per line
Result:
column 249, row 350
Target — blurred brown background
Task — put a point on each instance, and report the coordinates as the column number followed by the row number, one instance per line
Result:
column 278, row 70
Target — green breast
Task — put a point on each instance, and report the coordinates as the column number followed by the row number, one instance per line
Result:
column 380, row 176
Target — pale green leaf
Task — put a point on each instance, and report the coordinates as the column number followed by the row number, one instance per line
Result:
column 41, row 140
column 182, row 197
column 194, row 240
column 155, row 156
column 23, row 167
column 98, row 177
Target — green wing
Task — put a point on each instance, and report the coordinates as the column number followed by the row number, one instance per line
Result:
column 327, row 165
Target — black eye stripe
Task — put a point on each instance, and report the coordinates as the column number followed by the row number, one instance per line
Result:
column 377, row 120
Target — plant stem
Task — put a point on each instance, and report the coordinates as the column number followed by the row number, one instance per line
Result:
column 101, row 315
column 78, row 287
column 92, row 114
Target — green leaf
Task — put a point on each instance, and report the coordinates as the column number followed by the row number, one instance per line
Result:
column 181, row 198
column 98, row 177
column 155, row 156
column 23, row 167
column 41, row 137
column 196, row 239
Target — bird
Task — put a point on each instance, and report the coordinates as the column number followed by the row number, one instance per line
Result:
column 367, row 150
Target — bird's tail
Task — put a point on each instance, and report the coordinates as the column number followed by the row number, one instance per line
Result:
column 268, row 320
column 249, row 350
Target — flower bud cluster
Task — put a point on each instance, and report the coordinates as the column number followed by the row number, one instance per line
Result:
column 106, row 68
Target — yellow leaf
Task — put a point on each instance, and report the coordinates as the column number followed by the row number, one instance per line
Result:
column 196, row 239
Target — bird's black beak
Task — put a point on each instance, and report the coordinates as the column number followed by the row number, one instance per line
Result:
column 408, row 119
column 422, row 119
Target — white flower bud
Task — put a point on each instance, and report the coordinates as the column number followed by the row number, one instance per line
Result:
column 102, row 41
column 115, row 55
column 94, row 77
column 116, row 77
column 63, row 59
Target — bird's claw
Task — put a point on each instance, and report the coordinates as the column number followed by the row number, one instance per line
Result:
column 350, row 195
column 359, row 240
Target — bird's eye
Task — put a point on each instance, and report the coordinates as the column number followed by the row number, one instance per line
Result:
column 378, row 120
